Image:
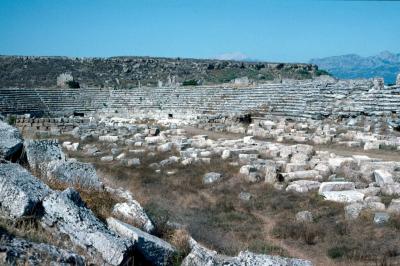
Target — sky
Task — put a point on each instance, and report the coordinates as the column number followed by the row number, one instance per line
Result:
column 281, row 30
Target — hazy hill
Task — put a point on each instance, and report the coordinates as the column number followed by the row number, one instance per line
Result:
column 385, row 64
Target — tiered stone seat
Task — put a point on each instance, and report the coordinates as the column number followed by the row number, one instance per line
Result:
column 297, row 100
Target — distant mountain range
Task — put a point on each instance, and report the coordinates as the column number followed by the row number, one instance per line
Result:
column 385, row 64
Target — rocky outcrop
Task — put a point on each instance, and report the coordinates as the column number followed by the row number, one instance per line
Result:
column 128, row 71
column 65, row 213
column 10, row 141
column 154, row 250
column 17, row 251
column 20, row 192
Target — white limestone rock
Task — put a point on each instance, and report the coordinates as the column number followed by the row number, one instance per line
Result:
column 20, row 192
column 10, row 140
column 394, row 206
column 40, row 152
column 226, row 154
column 336, row 186
column 344, row 196
column 165, row 147
column 108, row 138
column 211, row 177
column 352, row 211
column 371, row 146
column 132, row 162
column 74, row 172
column 392, row 189
column 153, row 249
column 383, row 177
column 303, row 186
column 134, row 212
column 108, row 158
column 248, row 258
column 304, row 216
column 65, row 212
column 298, row 175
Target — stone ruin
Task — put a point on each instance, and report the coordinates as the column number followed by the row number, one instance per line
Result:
column 63, row 79
column 281, row 131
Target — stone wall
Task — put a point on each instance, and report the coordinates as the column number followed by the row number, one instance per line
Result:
column 53, row 126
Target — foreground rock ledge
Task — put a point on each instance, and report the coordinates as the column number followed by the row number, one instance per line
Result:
column 21, row 193
column 67, row 214
column 16, row 251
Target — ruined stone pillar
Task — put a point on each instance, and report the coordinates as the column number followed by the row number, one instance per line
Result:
column 398, row 80
column 379, row 83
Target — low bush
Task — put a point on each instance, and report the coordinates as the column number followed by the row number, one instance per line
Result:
column 337, row 252
column 12, row 120
column 191, row 82
column 73, row 84
column 309, row 233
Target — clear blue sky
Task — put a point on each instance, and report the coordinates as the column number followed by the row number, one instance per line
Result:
column 268, row 30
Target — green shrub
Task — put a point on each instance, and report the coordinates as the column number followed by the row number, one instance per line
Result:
column 190, row 82
column 12, row 120
column 73, row 84
column 337, row 252
column 321, row 72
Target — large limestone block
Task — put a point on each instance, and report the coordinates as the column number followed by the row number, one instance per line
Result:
column 20, row 192
column 42, row 152
column 392, row 189
column 74, row 173
column 394, row 206
column 383, row 177
column 65, row 213
column 154, row 250
column 211, row 177
column 338, row 162
column 336, row 186
column 10, row 140
column 303, row 186
column 344, row 196
column 309, row 174
column 353, row 210
column 134, row 212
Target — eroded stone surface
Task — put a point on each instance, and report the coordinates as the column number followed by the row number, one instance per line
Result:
column 10, row 140
column 65, row 212
column 20, row 192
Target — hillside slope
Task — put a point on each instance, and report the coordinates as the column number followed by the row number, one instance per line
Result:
column 125, row 72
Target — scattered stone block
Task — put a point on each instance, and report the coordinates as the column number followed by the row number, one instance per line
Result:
column 383, row 177
column 134, row 212
column 211, row 177
column 154, row 250
column 304, row 216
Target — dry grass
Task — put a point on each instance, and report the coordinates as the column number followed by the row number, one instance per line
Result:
column 28, row 228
